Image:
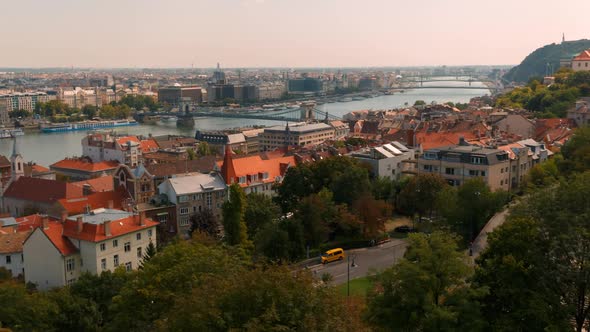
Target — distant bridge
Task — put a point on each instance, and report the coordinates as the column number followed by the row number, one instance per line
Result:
column 294, row 115
column 441, row 87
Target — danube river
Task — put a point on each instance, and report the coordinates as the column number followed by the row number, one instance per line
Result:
column 46, row 149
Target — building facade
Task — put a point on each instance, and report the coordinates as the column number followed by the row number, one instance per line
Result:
column 192, row 194
column 460, row 163
column 389, row 160
column 56, row 253
column 297, row 135
column 173, row 95
column 581, row 62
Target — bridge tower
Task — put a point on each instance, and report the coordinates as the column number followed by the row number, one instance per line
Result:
column 185, row 118
column 307, row 111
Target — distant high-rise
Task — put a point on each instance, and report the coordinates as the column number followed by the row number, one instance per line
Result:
column 219, row 76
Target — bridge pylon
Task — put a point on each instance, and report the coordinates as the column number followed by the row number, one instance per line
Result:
column 307, row 111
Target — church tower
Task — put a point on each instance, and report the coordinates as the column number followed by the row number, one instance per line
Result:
column 17, row 163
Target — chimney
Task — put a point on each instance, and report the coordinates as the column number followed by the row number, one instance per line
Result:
column 107, row 228
column 110, row 204
column 142, row 218
column 79, row 224
column 45, row 221
column 462, row 141
column 64, row 216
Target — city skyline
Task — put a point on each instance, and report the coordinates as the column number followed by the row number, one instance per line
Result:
column 280, row 33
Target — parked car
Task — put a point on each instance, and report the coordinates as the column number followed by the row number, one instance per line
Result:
column 404, row 229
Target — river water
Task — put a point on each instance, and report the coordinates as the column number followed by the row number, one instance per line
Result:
column 47, row 148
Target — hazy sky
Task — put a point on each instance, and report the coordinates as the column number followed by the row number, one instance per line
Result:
column 285, row 33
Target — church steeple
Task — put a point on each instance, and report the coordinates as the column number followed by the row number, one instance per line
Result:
column 16, row 161
column 563, row 38
column 227, row 168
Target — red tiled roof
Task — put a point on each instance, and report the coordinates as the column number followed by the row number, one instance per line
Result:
column 54, row 232
column 584, row 56
column 95, row 201
column 4, row 162
column 254, row 165
column 83, row 164
column 41, row 190
column 12, row 242
column 435, row 140
column 148, row 145
column 101, row 183
column 28, row 223
column 95, row 233
column 123, row 140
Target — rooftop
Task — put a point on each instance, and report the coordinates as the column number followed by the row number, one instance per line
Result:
column 196, row 183
column 83, row 164
column 41, row 190
column 304, row 128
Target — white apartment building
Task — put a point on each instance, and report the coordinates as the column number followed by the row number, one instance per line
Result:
column 56, row 253
column 389, row 160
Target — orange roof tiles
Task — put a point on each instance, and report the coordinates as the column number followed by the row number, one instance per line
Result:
column 101, row 183
column 584, row 56
column 83, row 164
column 96, row 233
column 54, row 233
column 12, row 242
column 254, row 165
column 41, row 190
column 123, row 140
column 149, row 145
column 97, row 200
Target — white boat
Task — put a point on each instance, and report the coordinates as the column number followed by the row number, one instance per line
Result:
column 168, row 118
column 9, row 133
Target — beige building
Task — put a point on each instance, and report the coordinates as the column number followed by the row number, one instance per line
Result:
column 56, row 253
column 460, row 163
column 580, row 114
column 192, row 194
column 295, row 135
column 582, row 61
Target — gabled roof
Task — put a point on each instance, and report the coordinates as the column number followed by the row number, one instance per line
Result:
column 96, row 232
column 83, row 164
column 41, row 190
column 101, row 183
column 12, row 242
column 4, row 162
column 148, row 145
column 255, row 165
column 54, row 232
column 584, row 56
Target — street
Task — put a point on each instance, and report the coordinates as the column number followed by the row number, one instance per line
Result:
column 367, row 261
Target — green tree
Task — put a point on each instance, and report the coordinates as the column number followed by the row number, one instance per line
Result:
column 372, row 214
column 427, row 290
column 89, row 111
column 419, row 194
column 261, row 299
column 24, row 311
column 191, row 154
column 511, row 268
column 107, row 112
column 236, row 232
column 75, row 313
column 150, row 252
column 260, row 210
column 419, row 103
column 205, row 222
column 204, row 149
column 576, row 152
column 176, row 270
column 19, row 114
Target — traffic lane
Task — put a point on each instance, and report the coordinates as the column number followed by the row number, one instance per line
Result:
column 367, row 261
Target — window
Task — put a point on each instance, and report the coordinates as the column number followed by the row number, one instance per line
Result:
column 128, row 266
column 103, row 263
column 449, row 171
column 208, row 200
column 184, row 210
column 138, row 236
column 182, row 199
column 70, row 265
column 428, row 168
column 103, row 246
column 139, row 253
column 184, row 221
column 116, row 260
column 483, row 173
column 115, row 243
column 127, row 246
column 473, row 172
column 477, row 160
column 8, row 259
column 149, row 233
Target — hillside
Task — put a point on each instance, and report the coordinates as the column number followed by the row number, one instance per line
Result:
column 535, row 64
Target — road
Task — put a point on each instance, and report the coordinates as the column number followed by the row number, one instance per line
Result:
column 481, row 241
column 367, row 261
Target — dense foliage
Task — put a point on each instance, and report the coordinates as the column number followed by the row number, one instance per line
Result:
column 535, row 64
column 549, row 101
